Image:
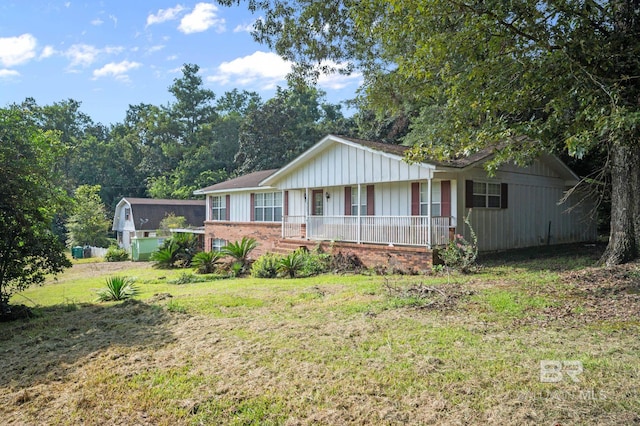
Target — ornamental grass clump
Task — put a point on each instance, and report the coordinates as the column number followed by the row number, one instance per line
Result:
column 118, row 288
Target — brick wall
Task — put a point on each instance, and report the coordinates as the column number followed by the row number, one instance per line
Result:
column 269, row 237
column 265, row 233
column 401, row 258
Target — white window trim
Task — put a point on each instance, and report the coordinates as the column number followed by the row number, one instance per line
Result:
column 276, row 204
column 221, row 208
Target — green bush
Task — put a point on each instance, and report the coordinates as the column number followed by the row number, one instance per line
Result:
column 240, row 251
column 118, row 288
column 293, row 263
column 315, row 263
column 266, row 266
column 116, row 254
column 206, row 262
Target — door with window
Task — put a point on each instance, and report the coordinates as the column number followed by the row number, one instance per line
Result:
column 317, row 206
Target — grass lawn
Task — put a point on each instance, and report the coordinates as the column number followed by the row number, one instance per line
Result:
column 349, row 349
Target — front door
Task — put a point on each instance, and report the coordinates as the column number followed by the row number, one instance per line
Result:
column 317, row 208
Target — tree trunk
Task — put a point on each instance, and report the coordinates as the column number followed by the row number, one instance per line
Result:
column 624, row 240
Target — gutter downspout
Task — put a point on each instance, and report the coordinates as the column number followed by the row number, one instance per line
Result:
column 359, row 237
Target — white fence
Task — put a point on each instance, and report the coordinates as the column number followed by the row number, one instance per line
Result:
column 397, row 230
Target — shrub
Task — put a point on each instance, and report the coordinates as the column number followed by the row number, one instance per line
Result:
column 118, row 288
column 292, row 263
column 206, row 262
column 461, row 254
column 266, row 266
column 116, row 254
column 176, row 252
column 315, row 263
column 166, row 256
column 240, row 251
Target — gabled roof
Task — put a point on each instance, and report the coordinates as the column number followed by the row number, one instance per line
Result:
column 401, row 150
column 390, row 150
column 162, row 202
column 149, row 212
column 250, row 181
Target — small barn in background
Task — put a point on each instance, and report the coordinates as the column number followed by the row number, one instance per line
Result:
column 141, row 217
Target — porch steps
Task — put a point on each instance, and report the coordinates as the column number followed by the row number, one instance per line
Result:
column 287, row 246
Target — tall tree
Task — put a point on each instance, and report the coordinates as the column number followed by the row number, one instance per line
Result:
column 286, row 125
column 30, row 195
column 555, row 71
column 88, row 224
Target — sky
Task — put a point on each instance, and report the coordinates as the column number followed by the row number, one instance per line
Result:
column 114, row 53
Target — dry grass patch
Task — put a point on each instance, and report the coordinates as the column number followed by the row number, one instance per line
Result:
column 330, row 350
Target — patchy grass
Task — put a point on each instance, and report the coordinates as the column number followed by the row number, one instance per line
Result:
column 439, row 349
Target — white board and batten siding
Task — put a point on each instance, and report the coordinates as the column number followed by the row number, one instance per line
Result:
column 533, row 216
column 342, row 165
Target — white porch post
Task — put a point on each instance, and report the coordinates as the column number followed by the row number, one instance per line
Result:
column 359, row 237
column 429, row 212
column 282, row 219
column 306, row 213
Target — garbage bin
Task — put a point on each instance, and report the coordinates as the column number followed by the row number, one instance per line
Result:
column 87, row 252
column 77, row 252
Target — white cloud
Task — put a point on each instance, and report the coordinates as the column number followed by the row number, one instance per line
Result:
column 155, row 48
column 164, row 15
column 47, row 52
column 67, row 4
column 265, row 70
column 83, row 55
column 17, row 50
column 246, row 27
column 338, row 81
column 117, row 70
column 262, row 69
column 201, row 19
column 172, row 57
column 5, row 73
column 97, row 22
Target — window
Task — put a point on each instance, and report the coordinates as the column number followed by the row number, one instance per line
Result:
column 267, row 207
column 127, row 213
column 218, row 208
column 217, row 244
column 362, row 202
column 486, row 194
column 436, row 199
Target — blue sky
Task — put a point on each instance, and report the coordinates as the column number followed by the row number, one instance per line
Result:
column 110, row 54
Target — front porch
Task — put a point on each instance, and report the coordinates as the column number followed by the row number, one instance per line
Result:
column 389, row 230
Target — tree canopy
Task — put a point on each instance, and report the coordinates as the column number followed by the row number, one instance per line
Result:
column 30, row 195
column 88, row 224
column 525, row 76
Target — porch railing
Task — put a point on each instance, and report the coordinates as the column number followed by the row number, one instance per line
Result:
column 397, row 230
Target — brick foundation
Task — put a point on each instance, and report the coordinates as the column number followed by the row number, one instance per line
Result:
column 265, row 233
column 398, row 258
column 269, row 237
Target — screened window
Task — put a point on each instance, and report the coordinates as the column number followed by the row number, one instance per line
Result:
column 436, row 199
column 486, row 194
column 267, row 207
column 355, row 203
column 218, row 207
